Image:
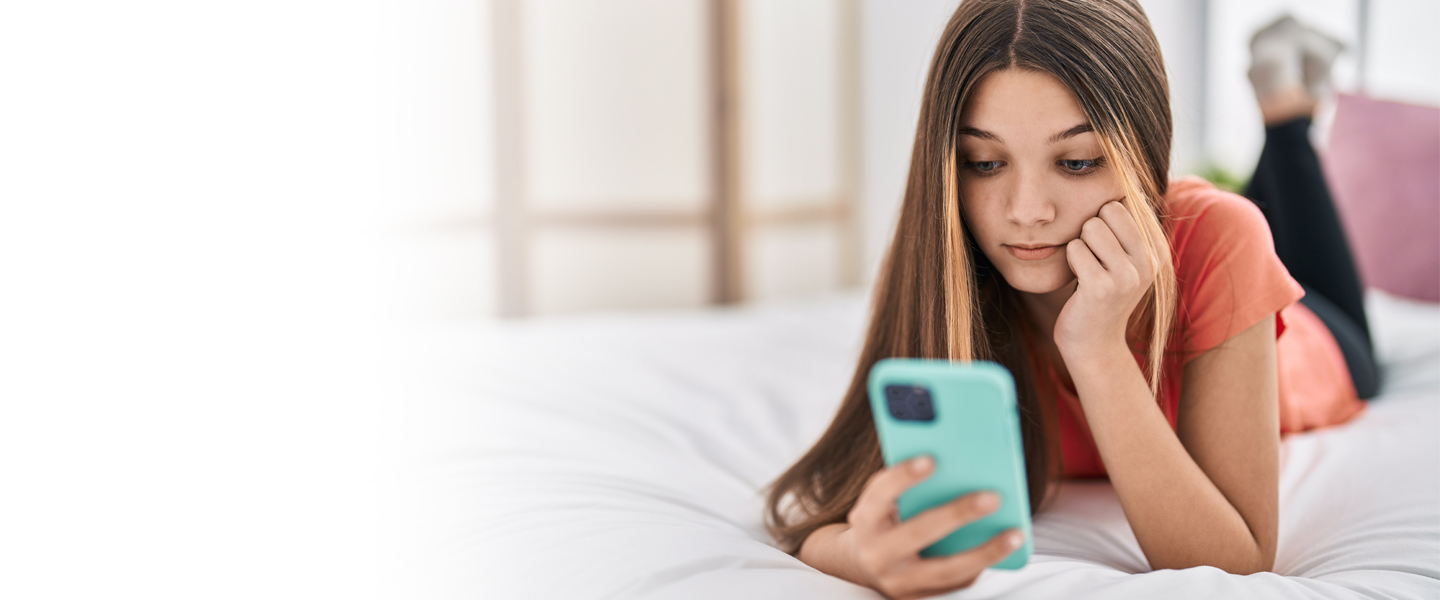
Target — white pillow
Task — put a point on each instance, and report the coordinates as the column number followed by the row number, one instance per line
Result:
column 1406, row 334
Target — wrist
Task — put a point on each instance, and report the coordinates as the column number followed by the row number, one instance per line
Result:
column 1097, row 353
column 830, row 550
column 846, row 557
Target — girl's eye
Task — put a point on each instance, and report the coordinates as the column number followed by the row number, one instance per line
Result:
column 1080, row 166
column 985, row 166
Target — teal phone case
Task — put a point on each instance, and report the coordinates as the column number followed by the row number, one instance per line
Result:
column 974, row 439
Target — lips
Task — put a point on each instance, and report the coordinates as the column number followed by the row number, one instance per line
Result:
column 1036, row 253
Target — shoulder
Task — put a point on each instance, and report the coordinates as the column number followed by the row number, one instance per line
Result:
column 1225, row 264
column 1207, row 226
column 1196, row 207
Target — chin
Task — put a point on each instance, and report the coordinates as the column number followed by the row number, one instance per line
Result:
column 1033, row 282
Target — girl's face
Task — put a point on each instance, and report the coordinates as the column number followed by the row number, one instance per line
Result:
column 1031, row 173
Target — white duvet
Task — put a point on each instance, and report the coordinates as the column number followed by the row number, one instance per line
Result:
column 622, row 456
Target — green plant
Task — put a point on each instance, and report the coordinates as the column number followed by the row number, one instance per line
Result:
column 1223, row 178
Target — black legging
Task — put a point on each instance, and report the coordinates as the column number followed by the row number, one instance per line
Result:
column 1289, row 187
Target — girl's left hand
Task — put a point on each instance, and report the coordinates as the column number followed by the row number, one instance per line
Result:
column 1114, row 271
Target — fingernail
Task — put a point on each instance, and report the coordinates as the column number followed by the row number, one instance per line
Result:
column 1013, row 540
column 987, row 501
column 920, row 465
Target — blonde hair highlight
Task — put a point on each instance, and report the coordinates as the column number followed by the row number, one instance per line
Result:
column 962, row 311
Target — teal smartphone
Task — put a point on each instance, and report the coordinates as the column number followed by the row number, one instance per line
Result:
column 964, row 416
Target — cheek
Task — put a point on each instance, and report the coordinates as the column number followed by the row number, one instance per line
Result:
column 979, row 213
column 1085, row 198
column 1099, row 190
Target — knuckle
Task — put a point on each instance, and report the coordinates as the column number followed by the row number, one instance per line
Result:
column 874, row 486
column 876, row 479
column 861, row 516
column 862, row 499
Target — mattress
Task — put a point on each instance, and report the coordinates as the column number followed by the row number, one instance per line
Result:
column 625, row 456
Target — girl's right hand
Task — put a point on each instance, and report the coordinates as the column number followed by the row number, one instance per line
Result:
column 885, row 552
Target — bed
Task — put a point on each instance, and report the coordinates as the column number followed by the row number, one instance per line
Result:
column 623, row 456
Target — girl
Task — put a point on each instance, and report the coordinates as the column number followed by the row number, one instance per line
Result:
column 1142, row 318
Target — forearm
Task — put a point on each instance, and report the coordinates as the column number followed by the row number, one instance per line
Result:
column 1179, row 516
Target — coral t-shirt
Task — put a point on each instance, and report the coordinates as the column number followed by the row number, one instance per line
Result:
column 1229, row 279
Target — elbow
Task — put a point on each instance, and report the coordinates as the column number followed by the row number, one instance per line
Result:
column 1258, row 561
column 1256, row 555
column 1261, row 557
column 1259, row 564
column 1265, row 563
column 1246, row 562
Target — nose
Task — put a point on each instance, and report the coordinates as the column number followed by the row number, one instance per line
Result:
column 1029, row 203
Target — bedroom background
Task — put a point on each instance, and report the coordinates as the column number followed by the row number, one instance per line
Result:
column 563, row 157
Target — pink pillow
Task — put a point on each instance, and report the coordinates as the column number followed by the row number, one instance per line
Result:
column 1383, row 164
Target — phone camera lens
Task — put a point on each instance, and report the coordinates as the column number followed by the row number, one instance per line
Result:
column 909, row 403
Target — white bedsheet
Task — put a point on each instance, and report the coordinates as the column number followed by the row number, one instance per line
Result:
column 622, row 456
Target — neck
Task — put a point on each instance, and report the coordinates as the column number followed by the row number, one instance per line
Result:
column 1044, row 309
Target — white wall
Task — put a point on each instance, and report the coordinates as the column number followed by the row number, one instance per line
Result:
column 1404, row 59
column 792, row 142
column 1178, row 24
column 437, row 149
column 187, row 199
column 616, row 101
column 898, row 39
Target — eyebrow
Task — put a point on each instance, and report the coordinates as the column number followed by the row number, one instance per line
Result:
column 1064, row 135
column 979, row 133
column 1071, row 132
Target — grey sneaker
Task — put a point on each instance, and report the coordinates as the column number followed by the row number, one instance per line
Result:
column 1276, row 57
column 1318, row 52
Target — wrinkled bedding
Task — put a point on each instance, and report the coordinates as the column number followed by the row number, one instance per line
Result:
column 623, row 456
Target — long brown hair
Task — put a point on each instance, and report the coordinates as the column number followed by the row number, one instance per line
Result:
column 937, row 295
